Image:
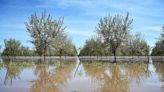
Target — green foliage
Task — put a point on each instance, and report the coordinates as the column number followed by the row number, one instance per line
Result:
column 11, row 47
column 14, row 48
column 62, row 45
column 132, row 46
column 139, row 47
column 25, row 51
column 94, row 47
column 162, row 34
column 158, row 50
column 114, row 38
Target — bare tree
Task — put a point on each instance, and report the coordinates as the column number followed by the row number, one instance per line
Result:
column 43, row 31
column 114, row 30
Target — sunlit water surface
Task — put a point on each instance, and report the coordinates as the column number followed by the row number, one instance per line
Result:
column 75, row 76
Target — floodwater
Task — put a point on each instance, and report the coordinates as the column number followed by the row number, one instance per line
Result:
column 74, row 76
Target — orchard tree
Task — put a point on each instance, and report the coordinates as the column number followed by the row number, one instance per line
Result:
column 162, row 34
column 12, row 47
column 43, row 31
column 62, row 45
column 159, row 46
column 114, row 31
column 94, row 47
column 158, row 50
column 139, row 46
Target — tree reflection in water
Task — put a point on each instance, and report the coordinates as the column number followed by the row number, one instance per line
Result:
column 160, row 69
column 137, row 71
column 116, row 77
column 48, row 81
column 57, row 76
column 13, row 69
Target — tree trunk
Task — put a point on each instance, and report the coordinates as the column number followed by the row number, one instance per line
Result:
column 65, row 57
column 60, row 57
column 97, row 57
column 44, row 52
column 148, row 56
column 44, row 55
column 114, row 56
column 60, row 51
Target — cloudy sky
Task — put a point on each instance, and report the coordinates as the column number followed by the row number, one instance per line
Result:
column 81, row 17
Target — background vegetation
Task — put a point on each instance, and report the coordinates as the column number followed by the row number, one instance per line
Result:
column 159, row 46
column 112, row 38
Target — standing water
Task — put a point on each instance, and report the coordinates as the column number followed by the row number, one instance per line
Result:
column 76, row 76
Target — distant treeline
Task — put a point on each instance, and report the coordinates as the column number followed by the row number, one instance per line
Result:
column 15, row 48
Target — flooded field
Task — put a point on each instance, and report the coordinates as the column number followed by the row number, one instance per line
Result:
column 74, row 76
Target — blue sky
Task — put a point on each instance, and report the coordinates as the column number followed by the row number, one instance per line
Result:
column 81, row 17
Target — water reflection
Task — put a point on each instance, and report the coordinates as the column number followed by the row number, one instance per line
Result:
column 160, row 71
column 116, row 77
column 57, row 76
column 117, row 82
column 137, row 71
column 13, row 70
column 50, row 81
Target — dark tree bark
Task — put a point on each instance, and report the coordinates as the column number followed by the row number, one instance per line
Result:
column 114, row 52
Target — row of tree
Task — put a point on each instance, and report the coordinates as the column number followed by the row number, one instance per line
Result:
column 159, row 46
column 47, row 35
column 14, row 48
column 95, row 46
column 113, row 38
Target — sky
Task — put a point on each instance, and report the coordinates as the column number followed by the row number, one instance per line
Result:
column 81, row 17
